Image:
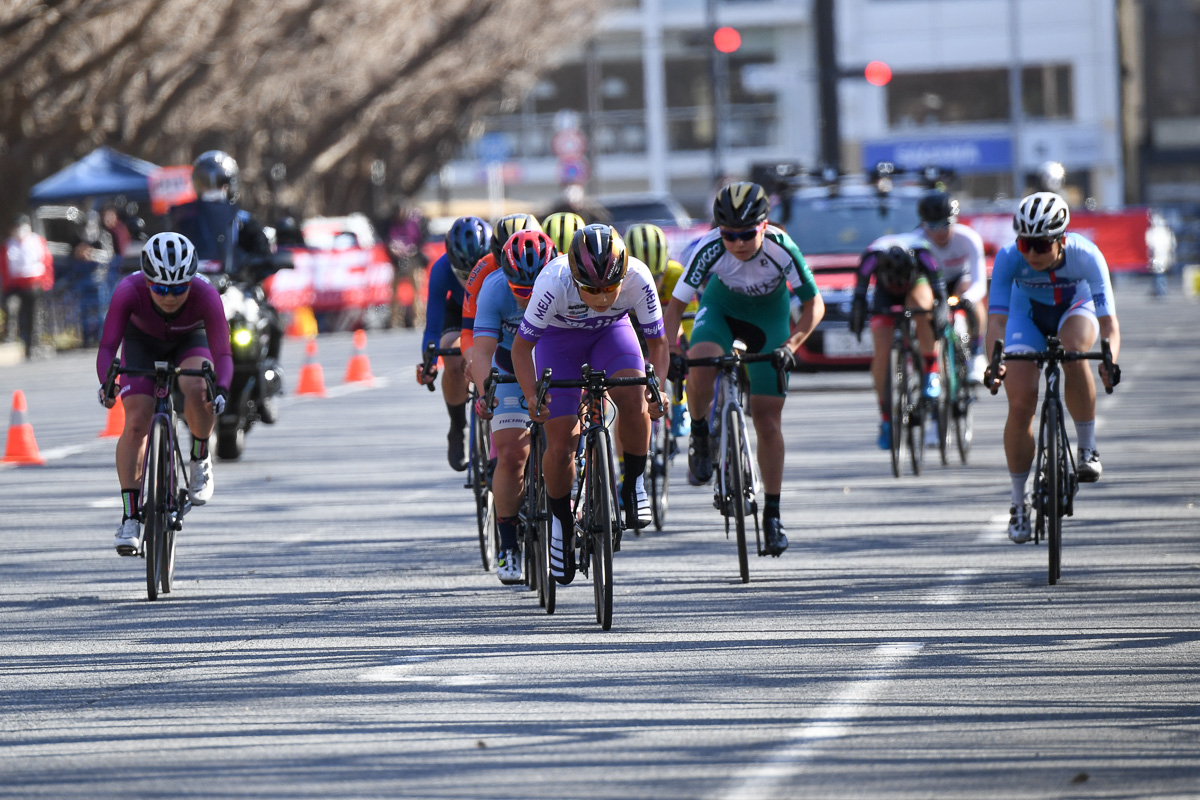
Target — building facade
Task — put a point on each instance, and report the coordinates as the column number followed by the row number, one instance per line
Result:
column 990, row 88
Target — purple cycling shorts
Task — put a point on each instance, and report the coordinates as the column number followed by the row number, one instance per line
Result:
column 566, row 350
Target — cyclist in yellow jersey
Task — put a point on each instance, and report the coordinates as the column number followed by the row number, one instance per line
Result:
column 649, row 244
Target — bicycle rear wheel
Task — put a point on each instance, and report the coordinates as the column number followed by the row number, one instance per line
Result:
column 1052, row 498
column 896, row 392
column 964, row 405
column 155, row 516
column 601, row 516
column 735, row 488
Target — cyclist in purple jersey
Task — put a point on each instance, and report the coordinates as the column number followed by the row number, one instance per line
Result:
column 163, row 314
column 579, row 313
column 1048, row 283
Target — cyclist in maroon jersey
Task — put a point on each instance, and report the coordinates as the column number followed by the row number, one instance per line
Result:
column 163, row 314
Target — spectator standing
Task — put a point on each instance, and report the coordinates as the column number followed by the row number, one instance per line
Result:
column 405, row 235
column 26, row 273
column 91, row 268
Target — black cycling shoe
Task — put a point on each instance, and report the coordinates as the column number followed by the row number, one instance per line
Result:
column 774, row 542
column 699, row 459
column 456, row 453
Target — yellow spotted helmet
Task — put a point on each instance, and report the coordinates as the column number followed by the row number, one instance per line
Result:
column 648, row 244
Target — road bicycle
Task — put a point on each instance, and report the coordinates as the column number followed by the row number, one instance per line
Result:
column 1055, row 482
column 736, row 477
column 955, row 405
column 164, row 479
column 533, row 513
column 478, row 462
column 904, row 390
column 598, row 521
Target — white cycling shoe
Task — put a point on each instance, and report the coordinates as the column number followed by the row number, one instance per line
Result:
column 201, row 485
column 975, row 373
column 1018, row 523
column 129, row 537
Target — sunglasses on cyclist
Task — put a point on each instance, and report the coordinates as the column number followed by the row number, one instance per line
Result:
column 521, row 292
column 739, row 236
column 940, row 225
column 1040, row 246
column 605, row 290
column 174, row 290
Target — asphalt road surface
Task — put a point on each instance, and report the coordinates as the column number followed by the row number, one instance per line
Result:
column 332, row 634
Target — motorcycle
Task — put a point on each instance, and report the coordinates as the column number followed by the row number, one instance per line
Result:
column 254, row 334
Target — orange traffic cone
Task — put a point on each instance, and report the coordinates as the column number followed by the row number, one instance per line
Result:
column 303, row 323
column 21, row 447
column 312, row 377
column 359, row 368
column 115, row 424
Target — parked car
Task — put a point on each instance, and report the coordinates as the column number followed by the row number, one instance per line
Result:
column 832, row 230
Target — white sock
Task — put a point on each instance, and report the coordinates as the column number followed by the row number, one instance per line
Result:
column 1085, row 432
column 1018, row 487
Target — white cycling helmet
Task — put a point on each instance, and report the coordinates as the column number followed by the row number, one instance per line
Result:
column 1042, row 215
column 169, row 258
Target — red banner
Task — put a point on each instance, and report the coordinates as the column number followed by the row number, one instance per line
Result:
column 332, row 280
column 1120, row 235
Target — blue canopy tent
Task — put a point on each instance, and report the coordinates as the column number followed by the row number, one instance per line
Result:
column 103, row 172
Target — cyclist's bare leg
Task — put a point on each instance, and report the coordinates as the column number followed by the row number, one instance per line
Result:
column 1078, row 333
column 197, row 408
column 881, row 335
column 633, row 417
column 1021, row 387
column 701, row 379
column 558, row 464
column 767, row 411
column 131, row 447
column 512, row 449
column 454, row 379
column 921, row 297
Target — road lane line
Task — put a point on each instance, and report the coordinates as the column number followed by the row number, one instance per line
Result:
column 830, row 721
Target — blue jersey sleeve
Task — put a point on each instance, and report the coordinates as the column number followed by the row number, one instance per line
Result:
column 441, row 283
column 1095, row 272
column 1004, row 270
column 490, row 307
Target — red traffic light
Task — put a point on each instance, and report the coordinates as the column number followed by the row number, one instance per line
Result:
column 727, row 40
column 877, row 73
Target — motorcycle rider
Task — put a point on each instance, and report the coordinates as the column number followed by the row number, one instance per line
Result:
column 228, row 238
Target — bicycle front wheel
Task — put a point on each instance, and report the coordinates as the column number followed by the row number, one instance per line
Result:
column 479, row 465
column 155, row 515
column 540, row 523
column 735, row 485
column 601, row 518
column 660, row 454
column 1052, row 498
column 945, row 401
column 916, row 411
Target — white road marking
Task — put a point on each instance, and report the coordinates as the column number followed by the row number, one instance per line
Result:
column 833, row 720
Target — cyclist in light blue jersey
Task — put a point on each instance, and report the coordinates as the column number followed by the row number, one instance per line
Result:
column 1048, row 283
column 499, row 309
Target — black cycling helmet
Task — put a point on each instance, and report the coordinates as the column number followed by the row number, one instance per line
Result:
column 508, row 225
column 215, row 170
column 598, row 257
column 741, row 205
column 937, row 206
column 895, row 269
column 467, row 241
